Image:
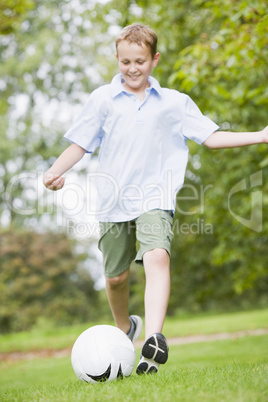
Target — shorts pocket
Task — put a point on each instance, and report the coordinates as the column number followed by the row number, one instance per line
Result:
column 104, row 227
column 167, row 225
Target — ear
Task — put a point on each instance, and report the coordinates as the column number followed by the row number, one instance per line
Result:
column 116, row 55
column 156, row 59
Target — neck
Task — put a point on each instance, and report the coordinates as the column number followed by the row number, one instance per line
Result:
column 139, row 92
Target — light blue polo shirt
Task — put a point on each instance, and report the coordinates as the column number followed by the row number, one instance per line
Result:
column 143, row 146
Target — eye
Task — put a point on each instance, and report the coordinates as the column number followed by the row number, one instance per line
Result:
column 140, row 62
column 125, row 62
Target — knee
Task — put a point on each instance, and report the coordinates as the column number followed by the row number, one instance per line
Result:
column 118, row 281
column 160, row 254
column 157, row 256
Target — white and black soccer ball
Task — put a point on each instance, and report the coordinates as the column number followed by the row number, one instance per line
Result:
column 103, row 353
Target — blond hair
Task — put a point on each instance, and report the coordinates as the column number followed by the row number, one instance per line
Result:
column 139, row 34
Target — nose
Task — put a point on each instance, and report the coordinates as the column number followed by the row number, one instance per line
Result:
column 132, row 68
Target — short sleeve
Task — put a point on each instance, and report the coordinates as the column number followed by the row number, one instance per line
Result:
column 87, row 128
column 195, row 125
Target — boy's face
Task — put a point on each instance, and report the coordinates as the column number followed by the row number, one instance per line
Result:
column 135, row 64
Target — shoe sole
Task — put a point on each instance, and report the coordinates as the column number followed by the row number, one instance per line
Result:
column 156, row 348
column 154, row 352
column 146, row 367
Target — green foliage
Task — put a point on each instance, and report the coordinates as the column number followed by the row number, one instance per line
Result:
column 219, row 261
column 40, row 277
column 224, row 69
column 12, row 13
column 48, row 65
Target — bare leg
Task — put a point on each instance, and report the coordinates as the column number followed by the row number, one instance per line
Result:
column 157, row 290
column 117, row 290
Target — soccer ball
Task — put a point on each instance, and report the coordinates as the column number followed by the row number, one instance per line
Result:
column 103, row 353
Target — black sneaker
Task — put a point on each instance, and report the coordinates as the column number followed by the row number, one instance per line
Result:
column 154, row 352
column 135, row 327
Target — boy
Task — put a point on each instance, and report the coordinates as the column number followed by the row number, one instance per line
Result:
column 142, row 130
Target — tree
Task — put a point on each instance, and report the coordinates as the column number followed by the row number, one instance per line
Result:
column 12, row 13
column 48, row 65
column 227, row 63
column 224, row 71
column 42, row 276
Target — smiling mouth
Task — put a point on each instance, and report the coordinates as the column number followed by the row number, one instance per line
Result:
column 133, row 76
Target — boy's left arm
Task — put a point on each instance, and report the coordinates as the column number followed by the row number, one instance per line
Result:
column 228, row 139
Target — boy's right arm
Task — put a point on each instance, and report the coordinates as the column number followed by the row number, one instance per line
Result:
column 52, row 178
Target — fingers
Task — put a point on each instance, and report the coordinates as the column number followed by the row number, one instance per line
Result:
column 57, row 184
column 265, row 135
column 53, row 182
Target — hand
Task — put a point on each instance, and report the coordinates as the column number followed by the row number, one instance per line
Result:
column 265, row 134
column 53, row 182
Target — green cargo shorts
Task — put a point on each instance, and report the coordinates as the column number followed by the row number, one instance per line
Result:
column 118, row 240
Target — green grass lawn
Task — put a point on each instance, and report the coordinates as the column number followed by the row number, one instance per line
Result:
column 47, row 337
column 227, row 370
column 233, row 370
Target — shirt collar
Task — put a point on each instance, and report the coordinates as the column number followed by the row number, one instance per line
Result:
column 117, row 85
